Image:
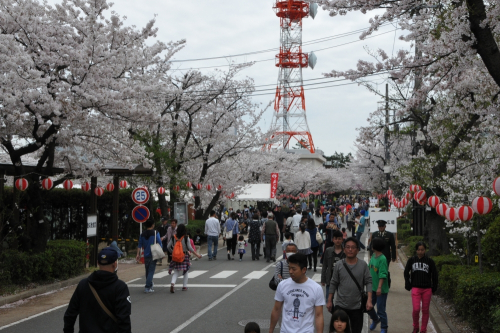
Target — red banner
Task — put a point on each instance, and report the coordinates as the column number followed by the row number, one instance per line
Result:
column 274, row 184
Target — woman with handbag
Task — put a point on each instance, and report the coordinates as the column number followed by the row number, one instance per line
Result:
column 314, row 234
column 231, row 232
column 178, row 267
column 147, row 241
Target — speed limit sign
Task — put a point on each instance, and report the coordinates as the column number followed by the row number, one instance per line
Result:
column 140, row 195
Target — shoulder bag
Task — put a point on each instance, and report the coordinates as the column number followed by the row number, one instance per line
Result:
column 229, row 234
column 96, row 295
column 364, row 295
column 157, row 251
column 272, row 284
column 319, row 238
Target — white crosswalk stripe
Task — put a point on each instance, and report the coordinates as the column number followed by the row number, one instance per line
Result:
column 223, row 274
column 255, row 275
column 193, row 274
column 160, row 275
column 317, row 278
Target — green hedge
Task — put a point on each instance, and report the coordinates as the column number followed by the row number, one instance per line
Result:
column 61, row 260
column 449, row 259
column 491, row 242
column 477, row 298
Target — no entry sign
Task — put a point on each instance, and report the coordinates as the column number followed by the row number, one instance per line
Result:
column 140, row 214
column 140, row 195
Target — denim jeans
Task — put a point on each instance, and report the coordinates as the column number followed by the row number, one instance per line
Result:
column 150, row 266
column 215, row 241
column 358, row 237
column 380, row 301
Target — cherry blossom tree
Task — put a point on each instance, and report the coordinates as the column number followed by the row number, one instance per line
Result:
column 75, row 79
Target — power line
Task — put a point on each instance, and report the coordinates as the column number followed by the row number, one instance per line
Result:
column 326, row 48
column 313, row 41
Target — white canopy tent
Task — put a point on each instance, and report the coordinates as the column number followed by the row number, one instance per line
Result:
column 252, row 193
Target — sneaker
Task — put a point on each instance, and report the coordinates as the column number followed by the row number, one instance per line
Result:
column 383, row 330
column 151, row 290
column 184, row 288
column 172, row 290
column 374, row 324
column 209, row 259
column 146, row 290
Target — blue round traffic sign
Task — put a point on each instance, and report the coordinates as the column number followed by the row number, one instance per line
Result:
column 140, row 214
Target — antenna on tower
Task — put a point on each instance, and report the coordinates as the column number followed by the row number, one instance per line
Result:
column 289, row 104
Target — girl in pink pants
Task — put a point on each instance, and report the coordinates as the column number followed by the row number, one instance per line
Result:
column 421, row 278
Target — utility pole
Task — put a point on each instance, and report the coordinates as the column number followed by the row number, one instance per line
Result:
column 387, row 168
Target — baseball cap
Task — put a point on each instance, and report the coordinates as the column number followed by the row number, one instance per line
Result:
column 107, row 256
column 362, row 212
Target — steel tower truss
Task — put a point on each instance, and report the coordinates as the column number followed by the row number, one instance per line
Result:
column 290, row 105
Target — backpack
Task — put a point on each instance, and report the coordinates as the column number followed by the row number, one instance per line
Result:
column 178, row 252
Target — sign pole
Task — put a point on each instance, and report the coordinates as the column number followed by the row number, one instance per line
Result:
column 93, row 210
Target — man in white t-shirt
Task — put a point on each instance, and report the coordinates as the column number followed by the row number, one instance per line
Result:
column 299, row 299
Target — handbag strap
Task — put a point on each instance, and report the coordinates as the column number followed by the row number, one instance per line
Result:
column 155, row 237
column 281, row 262
column 352, row 276
column 96, row 295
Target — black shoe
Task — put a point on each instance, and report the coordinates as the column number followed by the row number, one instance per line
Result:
column 209, row 259
column 228, row 257
column 309, row 268
column 315, row 270
column 273, row 259
column 215, row 258
column 268, row 260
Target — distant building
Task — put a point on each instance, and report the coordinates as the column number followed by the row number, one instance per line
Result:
column 306, row 157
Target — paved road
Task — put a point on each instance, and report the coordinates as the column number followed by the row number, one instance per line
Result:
column 223, row 295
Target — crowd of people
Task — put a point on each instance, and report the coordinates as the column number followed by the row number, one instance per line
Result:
column 306, row 234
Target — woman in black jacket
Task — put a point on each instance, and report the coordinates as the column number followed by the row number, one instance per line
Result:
column 421, row 278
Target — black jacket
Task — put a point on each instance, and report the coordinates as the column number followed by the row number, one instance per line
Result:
column 390, row 250
column 115, row 296
column 421, row 273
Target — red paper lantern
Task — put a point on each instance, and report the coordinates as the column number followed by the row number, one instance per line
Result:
column 176, row 188
column 86, row 186
column 47, row 184
column 232, row 195
column 433, row 201
column 408, row 196
column 415, row 188
column 99, row 191
column 209, row 187
column 452, row 214
column 441, row 209
column 123, row 184
column 68, row 184
column 219, row 188
column 110, row 187
column 21, row 184
column 189, row 184
column 482, row 205
column 465, row 213
column 404, row 202
column 161, row 190
column 496, row 186
column 389, row 192
column 199, row 186
column 420, row 196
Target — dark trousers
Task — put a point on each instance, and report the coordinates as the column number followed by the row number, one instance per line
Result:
column 282, row 234
column 255, row 248
column 313, row 257
column 271, row 246
column 231, row 245
column 355, row 317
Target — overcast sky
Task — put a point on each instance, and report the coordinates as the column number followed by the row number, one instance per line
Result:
column 222, row 27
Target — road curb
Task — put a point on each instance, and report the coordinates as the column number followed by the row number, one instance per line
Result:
column 41, row 290
column 441, row 322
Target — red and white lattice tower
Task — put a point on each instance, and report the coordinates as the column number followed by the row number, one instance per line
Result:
column 290, row 120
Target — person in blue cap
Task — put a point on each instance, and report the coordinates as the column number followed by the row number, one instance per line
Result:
column 102, row 301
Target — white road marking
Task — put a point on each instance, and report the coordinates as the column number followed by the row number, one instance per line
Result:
column 208, row 308
column 317, row 278
column 256, row 275
column 193, row 274
column 189, row 285
column 34, row 316
column 133, row 280
column 223, row 274
column 160, row 275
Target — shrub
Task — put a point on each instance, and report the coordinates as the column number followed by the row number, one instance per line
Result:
column 196, row 224
column 449, row 259
column 495, row 313
column 412, row 242
column 403, row 235
column 61, row 260
column 448, row 276
column 491, row 242
column 68, row 256
column 477, row 297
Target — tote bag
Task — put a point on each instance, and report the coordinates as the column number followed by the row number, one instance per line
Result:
column 156, row 250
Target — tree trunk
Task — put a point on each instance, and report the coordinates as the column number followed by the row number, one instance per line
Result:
column 211, row 205
column 435, row 234
column 38, row 229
